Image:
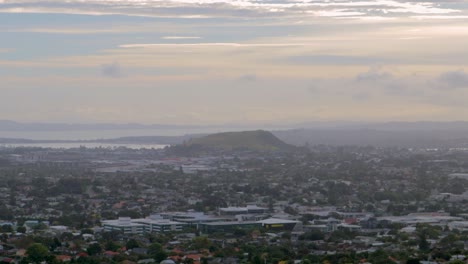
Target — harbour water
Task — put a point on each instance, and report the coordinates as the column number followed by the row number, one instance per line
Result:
column 82, row 145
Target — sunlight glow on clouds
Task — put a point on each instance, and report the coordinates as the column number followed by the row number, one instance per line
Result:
column 228, row 8
column 215, row 61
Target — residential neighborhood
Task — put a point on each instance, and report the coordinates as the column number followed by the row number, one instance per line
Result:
column 313, row 205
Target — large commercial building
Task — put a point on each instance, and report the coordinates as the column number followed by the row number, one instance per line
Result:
column 250, row 209
column 271, row 224
column 154, row 223
column 192, row 218
column 227, row 227
column 278, row 224
column 124, row 225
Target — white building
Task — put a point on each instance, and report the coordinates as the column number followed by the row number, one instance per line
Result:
column 124, row 225
column 154, row 223
column 460, row 225
column 250, row 209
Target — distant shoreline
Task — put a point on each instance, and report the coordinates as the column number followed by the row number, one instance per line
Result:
column 74, row 145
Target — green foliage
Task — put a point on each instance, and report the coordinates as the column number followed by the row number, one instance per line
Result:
column 37, row 252
column 6, row 213
column 69, row 185
column 157, row 252
column 380, row 257
column 256, row 140
column 6, row 229
column 87, row 260
column 94, row 249
column 154, row 248
column 456, row 262
column 312, row 235
column 340, row 235
column 449, row 241
column 423, row 244
column 130, row 213
column 131, row 244
column 201, row 242
column 40, row 227
column 290, row 210
column 87, row 231
column 112, row 246
column 21, row 229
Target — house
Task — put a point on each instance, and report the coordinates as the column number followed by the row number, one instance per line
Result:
column 63, row 258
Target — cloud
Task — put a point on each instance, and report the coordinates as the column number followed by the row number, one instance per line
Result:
column 218, row 44
column 229, row 8
column 179, row 37
column 112, row 70
column 334, row 60
column 377, row 78
column 453, row 79
column 361, row 97
column 248, row 78
column 375, row 74
column 76, row 30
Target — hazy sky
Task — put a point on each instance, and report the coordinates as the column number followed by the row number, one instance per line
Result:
column 239, row 61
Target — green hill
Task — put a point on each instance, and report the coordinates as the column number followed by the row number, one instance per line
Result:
column 253, row 140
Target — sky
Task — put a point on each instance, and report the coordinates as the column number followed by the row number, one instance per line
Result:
column 233, row 61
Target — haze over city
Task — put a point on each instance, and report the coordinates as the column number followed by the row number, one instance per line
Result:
column 233, row 62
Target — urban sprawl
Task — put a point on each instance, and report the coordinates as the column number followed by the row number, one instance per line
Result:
column 316, row 204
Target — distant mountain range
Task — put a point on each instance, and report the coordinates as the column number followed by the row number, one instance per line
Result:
column 7, row 125
column 379, row 138
column 386, row 126
column 399, row 134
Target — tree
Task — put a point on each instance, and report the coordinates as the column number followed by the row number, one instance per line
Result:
column 154, row 248
column 87, row 260
column 87, row 231
column 21, row 229
column 94, row 249
column 156, row 251
column 37, row 252
column 313, row 235
column 6, row 213
column 456, row 262
column 380, row 257
column 7, row 229
column 132, row 243
column 290, row 210
column 423, row 244
column 112, row 246
column 40, row 227
column 201, row 242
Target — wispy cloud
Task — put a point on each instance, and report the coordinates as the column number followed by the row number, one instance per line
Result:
column 453, row 79
column 77, row 30
column 112, row 70
column 248, row 78
column 213, row 44
column 228, row 8
column 179, row 37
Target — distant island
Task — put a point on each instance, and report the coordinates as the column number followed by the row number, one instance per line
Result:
column 259, row 140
